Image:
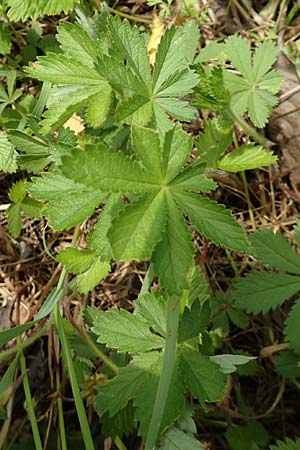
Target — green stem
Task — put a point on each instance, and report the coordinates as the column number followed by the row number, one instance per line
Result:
column 83, row 421
column 119, row 443
column 173, row 313
column 62, row 429
column 30, row 404
column 247, row 195
column 248, row 129
column 98, row 352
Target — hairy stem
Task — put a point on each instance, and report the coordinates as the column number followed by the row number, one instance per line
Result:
column 166, row 371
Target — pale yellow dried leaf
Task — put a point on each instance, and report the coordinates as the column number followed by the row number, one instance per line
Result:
column 75, row 123
column 157, row 32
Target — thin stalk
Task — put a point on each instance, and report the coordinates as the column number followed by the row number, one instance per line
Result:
column 97, row 351
column 173, row 313
column 83, row 421
column 30, row 404
column 119, row 443
column 62, row 429
column 248, row 129
column 250, row 210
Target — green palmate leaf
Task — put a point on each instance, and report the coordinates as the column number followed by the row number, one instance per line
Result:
column 21, row 10
column 80, row 84
column 288, row 444
column 126, row 332
column 246, row 157
column 292, row 326
column 138, row 227
column 106, row 169
column 229, row 363
column 214, row 141
column 287, row 364
column 275, row 251
column 173, row 255
column 176, row 439
column 139, row 381
column 213, row 220
column 69, row 203
column 203, row 377
column 254, row 90
column 262, row 291
column 152, row 308
column 8, row 155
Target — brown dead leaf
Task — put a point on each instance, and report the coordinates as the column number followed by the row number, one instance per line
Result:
column 284, row 125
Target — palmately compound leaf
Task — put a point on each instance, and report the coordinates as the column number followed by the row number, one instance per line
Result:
column 288, row 444
column 254, row 90
column 96, row 272
column 175, row 153
column 126, row 332
column 275, row 251
column 213, row 220
column 262, row 291
column 246, row 157
column 202, row 376
column 139, row 381
column 77, row 83
column 23, row 9
column 173, row 255
column 143, row 95
column 292, row 326
column 8, row 155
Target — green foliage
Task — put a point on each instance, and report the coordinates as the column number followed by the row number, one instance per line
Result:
column 21, row 203
column 247, row 437
column 253, row 91
column 288, row 444
column 21, row 10
column 134, row 333
column 5, row 41
column 263, row 291
column 154, row 217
